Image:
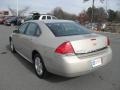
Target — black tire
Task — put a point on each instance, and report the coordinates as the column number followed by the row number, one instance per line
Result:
column 12, row 47
column 43, row 73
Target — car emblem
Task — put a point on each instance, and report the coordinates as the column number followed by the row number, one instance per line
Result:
column 93, row 39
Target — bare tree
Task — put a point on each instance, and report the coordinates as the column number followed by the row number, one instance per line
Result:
column 61, row 14
column 21, row 12
column 13, row 11
column 93, row 5
column 83, row 17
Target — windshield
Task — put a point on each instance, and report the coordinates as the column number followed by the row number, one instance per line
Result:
column 67, row 29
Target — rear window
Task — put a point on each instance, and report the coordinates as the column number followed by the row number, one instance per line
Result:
column 54, row 17
column 67, row 29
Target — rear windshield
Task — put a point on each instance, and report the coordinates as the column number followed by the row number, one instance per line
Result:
column 67, row 29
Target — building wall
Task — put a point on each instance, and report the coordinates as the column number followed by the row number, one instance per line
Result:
column 4, row 13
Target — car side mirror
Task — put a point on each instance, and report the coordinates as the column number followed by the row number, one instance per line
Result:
column 16, row 31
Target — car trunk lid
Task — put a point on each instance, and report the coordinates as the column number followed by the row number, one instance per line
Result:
column 89, row 43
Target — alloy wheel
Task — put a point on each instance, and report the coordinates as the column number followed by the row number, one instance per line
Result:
column 38, row 66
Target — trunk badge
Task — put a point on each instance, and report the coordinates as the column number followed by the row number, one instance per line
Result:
column 94, row 44
column 93, row 39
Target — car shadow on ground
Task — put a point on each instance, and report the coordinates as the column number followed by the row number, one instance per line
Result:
column 50, row 77
column 24, row 62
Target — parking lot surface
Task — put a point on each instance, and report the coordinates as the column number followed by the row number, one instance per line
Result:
column 18, row 74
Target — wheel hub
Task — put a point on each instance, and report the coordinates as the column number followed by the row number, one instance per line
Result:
column 38, row 66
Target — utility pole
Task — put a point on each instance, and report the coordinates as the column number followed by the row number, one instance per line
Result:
column 17, row 7
column 17, row 13
column 92, row 18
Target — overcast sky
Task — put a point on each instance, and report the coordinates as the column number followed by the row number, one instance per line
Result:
column 45, row 6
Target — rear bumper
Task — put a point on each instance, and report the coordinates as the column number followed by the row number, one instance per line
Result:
column 72, row 66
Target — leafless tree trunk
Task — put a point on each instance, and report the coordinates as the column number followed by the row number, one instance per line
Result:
column 92, row 19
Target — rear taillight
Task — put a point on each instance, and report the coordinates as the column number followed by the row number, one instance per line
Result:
column 108, row 41
column 65, row 48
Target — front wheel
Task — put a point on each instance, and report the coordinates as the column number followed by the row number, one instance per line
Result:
column 12, row 46
column 39, row 66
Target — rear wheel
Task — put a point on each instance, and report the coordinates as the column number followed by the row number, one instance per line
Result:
column 39, row 66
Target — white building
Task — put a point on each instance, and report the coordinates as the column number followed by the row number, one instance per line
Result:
column 4, row 13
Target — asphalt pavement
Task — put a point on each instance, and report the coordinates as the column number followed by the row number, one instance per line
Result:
column 18, row 74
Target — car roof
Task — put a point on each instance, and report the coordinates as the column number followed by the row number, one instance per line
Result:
column 46, row 14
column 50, row 21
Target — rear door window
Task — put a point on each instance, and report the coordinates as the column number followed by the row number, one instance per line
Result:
column 22, row 28
column 31, row 30
column 38, row 31
column 44, row 17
